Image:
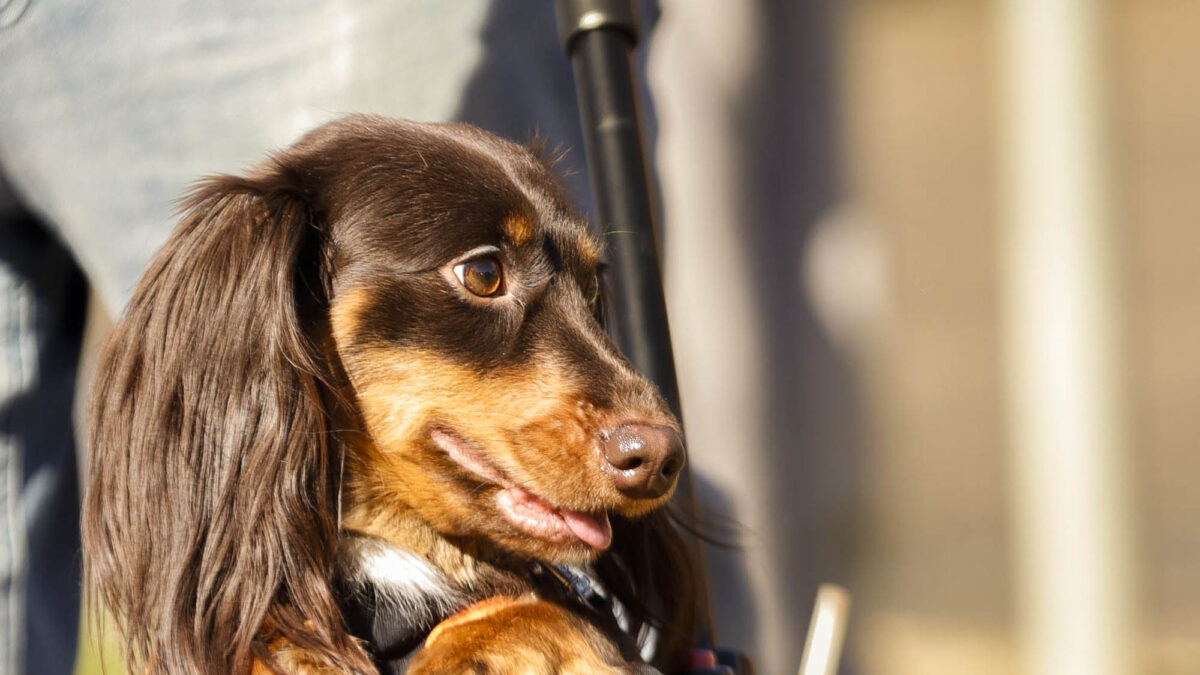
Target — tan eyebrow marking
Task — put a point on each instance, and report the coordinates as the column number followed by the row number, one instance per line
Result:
column 346, row 314
column 589, row 249
column 517, row 228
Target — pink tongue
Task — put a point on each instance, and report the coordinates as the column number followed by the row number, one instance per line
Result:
column 595, row 531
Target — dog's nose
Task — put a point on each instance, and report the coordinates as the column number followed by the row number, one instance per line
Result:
column 645, row 459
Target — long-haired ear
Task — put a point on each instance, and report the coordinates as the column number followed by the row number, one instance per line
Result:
column 209, row 527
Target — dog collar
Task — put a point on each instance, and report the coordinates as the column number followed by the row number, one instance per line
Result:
column 392, row 639
column 574, row 590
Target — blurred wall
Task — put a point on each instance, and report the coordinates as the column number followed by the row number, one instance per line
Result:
column 919, row 104
column 747, row 148
column 1155, row 107
column 831, row 179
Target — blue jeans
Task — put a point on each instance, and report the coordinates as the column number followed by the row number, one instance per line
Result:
column 110, row 109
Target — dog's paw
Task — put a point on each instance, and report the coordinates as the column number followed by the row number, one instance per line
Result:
column 511, row 635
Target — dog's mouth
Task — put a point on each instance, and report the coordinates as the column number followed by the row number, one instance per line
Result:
column 524, row 510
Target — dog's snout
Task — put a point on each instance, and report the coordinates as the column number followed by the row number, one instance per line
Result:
column 645, row 459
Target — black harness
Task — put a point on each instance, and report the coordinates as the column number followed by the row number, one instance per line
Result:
column 392, row 639
column 386, row 628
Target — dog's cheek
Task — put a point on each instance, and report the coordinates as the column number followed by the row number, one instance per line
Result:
column 404, row 392
column 382, row 492
column 560, row 455
column 532, row 420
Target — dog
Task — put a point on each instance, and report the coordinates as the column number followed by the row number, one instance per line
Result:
column 361, row 416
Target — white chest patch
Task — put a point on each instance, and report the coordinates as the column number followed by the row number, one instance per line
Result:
column 416, row 589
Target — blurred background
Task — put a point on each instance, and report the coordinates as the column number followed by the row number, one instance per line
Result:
column 929, row 266
column 933, row 259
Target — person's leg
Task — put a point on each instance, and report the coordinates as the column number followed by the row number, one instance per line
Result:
column 42, row 305
column 137, row 99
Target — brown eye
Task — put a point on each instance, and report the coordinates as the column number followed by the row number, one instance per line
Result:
column 482, row 276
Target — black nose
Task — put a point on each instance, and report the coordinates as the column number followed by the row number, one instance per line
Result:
column 645, row 460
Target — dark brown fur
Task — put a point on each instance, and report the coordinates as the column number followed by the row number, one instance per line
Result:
column 240, row 417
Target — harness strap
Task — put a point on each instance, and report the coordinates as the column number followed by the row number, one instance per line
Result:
column 387, row 629
column 393, row 640
column 575, row 591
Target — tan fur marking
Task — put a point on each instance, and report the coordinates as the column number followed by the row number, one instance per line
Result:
column 522, row 635
column 294, row 661
column 480, row 610
column 517, row 228
column 531, row 421
column 589, row 249
column 346, row 313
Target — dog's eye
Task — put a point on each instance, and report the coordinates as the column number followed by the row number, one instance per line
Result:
column 482, row 276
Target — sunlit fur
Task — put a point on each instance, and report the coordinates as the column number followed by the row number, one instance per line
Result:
column 260, row 424
column 553, row 640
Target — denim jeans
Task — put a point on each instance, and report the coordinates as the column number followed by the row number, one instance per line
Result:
column 110, row 109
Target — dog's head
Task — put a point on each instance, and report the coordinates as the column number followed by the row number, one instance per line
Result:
column 387, row 321
column 464, row 295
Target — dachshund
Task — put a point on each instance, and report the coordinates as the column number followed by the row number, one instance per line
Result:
column 362, row 403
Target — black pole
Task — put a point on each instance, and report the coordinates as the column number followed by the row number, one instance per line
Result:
column 599, row 36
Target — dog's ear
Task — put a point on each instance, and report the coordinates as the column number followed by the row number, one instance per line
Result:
column 210, row 453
